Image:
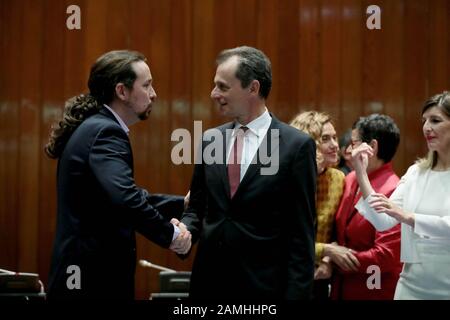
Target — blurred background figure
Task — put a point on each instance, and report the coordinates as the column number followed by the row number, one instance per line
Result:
column 345, row 154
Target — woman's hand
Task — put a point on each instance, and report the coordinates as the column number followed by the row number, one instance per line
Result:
column 380, row 203
column 360, row 157
column 324, row 270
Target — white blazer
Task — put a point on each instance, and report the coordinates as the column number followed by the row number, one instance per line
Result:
column 430, row 238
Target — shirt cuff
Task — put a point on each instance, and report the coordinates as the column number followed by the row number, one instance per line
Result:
column 176, row 232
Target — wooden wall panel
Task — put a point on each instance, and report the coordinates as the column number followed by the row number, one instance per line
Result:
column 75, row 76
column 415, row 80
column 96, row 31
column 308, row 55
column 53, row 36
column 203, row 57
column 392, row 56
column 351, row 64
column 244, row 17
column 29, row 129
column 372, row 72
column 267, row 31
column 118, row 24
column 11, row 81
column 330, row 53
column 323, row 57
column 287, row 60
column 439, row 46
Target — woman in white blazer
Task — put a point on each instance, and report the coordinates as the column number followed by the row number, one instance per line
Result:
column 421, row 203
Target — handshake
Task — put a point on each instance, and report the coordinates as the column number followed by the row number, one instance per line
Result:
column 181, row 244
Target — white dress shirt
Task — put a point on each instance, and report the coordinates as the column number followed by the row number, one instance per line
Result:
column 257, row 130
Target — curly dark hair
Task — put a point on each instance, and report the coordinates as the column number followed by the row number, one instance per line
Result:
column 110, row 69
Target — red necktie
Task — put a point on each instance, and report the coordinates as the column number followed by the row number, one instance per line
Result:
column 234, row 162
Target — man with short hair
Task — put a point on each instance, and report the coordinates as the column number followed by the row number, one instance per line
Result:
column 255, row 228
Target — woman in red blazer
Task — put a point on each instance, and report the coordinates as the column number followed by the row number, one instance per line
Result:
column 367, row 261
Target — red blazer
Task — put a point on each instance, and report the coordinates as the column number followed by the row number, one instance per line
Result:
column 373, row 248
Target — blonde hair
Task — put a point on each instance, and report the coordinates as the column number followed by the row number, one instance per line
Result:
column 442, row 101
column 312, row 122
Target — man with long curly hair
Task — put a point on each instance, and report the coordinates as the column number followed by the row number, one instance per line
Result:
column 99, row 205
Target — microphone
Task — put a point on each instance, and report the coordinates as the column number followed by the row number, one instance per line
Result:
column 147, row 264
column 6, row 271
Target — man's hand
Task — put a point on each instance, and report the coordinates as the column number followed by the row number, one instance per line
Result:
column 182, row 244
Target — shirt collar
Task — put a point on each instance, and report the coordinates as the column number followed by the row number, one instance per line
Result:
column 119, row 119
column 257, row 125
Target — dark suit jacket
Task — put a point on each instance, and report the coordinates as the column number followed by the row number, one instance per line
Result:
column 99, row 210
column 260, row 243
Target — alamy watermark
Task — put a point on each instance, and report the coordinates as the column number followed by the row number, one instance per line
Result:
column 73, row 21
column 374, row 19
column 74, row 280
column 374, row 280
column 214, row 150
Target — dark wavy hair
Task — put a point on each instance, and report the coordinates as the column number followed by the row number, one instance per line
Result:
column 110, row 69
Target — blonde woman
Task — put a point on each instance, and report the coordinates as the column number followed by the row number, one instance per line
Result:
column 421, row 204
column 330, row 186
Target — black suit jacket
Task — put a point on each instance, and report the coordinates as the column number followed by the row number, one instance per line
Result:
column 260, row 243
column 99, row 210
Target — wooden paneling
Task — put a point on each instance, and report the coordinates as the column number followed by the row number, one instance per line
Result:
column 267, row 31
column 323, row 57
column 12, row 80
column 53, row 36
column 352, row 26
column 29, row 129
column 308, row 56
column 330, row 53
column 439, row 46
column 392, row 55
column 416, row 64
column 286, row 59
